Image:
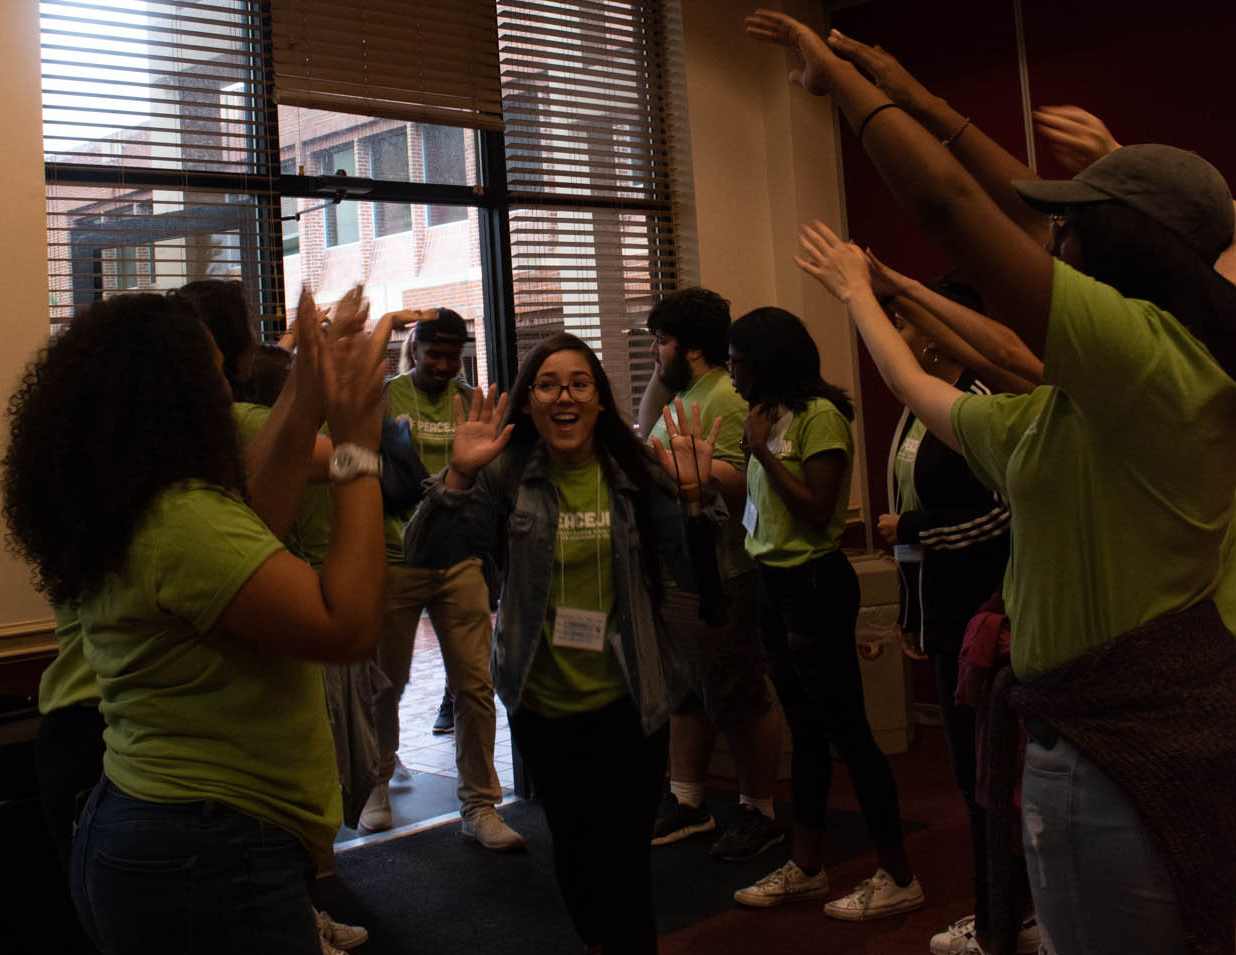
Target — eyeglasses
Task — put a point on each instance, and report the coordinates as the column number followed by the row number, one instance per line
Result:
column 548, row 390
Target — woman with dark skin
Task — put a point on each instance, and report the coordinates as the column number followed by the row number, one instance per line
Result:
column 124, row 486
column 1120, row 473
column 798, row 481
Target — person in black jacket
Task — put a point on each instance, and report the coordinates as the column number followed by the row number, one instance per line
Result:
column 950, row 536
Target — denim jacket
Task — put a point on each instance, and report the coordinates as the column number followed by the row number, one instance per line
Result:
column 513, row 503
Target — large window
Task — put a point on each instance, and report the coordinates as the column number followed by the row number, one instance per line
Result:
column 155, row 139
column 167, row 161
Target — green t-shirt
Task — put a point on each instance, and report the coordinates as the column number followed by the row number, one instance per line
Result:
column 431, row 423
column 68, row 681
column 249, row 419
column 903, row 467
column 566, row 680
column 780, row 539
column 191, row 713
column 715, row 394
column 1119, row 474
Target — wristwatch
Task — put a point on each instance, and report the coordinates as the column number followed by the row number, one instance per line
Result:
column 350, row 461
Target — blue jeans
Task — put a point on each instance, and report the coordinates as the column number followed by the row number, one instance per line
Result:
column 1099, row 885
column 171, row 878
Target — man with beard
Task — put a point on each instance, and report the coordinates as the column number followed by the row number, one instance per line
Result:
column 729, row 692
column 450, row 583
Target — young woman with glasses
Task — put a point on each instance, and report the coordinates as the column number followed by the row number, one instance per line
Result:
column 580, row 516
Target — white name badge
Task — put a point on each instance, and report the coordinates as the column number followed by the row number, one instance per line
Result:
column 907, row 554
column 579, row 629
column 749, row 515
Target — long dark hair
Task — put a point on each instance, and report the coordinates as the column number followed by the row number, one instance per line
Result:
column 126, row 402
column 1142, row 259
column 784, row 362
column 223, row 309
column 627, row 453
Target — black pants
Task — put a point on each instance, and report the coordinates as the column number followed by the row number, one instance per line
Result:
column 68, row 758
column 807, row 618
column 599, row 779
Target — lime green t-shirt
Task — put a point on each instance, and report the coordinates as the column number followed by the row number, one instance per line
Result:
column 566, row 680
column 68, row 681
column 431, row 423
column 903, row 467
column 1119, row 474
column 780, row 539
column 249, row 419
column 191, row 713
column 715, row 394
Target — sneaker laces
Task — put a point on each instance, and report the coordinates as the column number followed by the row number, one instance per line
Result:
column 779, row 878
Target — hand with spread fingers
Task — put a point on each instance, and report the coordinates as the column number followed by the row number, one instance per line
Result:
column 350, row 314
column 816, row 62
column 1077, row 137
column 479, row 436
column 689, row 455
column 841, row 267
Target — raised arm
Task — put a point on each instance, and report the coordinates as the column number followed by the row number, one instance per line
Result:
column 335, row 615
column 986, row 160
column 1012, row 270
column 988, row 348
column 842, row 269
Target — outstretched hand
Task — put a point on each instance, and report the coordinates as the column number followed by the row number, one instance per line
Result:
column 816, row 62
column 479, row 434
column 885, row 281
column 885, row 71
column 689, row 456
column 350, row 314
column 841, row 267
column 1077, row 138
column 353, row 372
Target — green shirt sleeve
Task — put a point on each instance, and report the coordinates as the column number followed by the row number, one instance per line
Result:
column 211, row 544
column 990, row 427
column 823, row 428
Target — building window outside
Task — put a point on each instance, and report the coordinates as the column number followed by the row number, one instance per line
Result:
column 445, row 161
column 342, row 221
column 388, row 161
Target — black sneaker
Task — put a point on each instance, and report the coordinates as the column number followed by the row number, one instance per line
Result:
column 747, row 836
column 445, row 723
column 676, row 821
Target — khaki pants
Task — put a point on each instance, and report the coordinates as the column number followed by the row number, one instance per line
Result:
column 458, row 603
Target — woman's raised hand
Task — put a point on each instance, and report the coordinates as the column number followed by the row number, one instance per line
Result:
column 353, row 371
column 689, row 455
column 841, row 267
column 1077, row 138
column 885, row 281
column 885, row 71
column 479, row 435
column 350, row 314
column 817, row 63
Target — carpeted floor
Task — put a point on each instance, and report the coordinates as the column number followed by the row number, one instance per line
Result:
column 433, row 893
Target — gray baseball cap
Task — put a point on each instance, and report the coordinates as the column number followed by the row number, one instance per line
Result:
column 1178, row 189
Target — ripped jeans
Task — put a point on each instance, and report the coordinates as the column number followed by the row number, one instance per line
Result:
column 807, row 616
column 1099, row 886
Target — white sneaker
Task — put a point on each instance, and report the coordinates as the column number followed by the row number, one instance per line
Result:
column 485, row 826
column 953, row 940
column 876, row 898
column 787, row 884
column 376, row 816
column 337, row 935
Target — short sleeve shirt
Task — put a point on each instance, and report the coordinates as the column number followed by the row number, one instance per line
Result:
column 193, row 714
column 1120, row 473
column 715, row 394
column 780, row 539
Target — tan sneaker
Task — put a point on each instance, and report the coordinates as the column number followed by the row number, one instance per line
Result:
column 876, row 898
column 483, row 825
column 376, row 816
column 337, row 935
column 787, row 884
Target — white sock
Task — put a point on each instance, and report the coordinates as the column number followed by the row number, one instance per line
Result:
column 689, row 794
column 765, row 806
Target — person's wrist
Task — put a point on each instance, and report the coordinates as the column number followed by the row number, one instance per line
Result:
column 461, row 476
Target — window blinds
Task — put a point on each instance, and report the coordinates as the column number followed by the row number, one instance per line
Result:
column 416, row 60
column 588, row 166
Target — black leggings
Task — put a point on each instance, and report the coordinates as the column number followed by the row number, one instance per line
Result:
column 807, row 618
column 599, row 779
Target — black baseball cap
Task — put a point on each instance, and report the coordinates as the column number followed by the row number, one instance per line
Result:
column 448, row 327
column 1178, row 189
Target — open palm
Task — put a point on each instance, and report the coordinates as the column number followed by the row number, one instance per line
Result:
column 479, row 435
